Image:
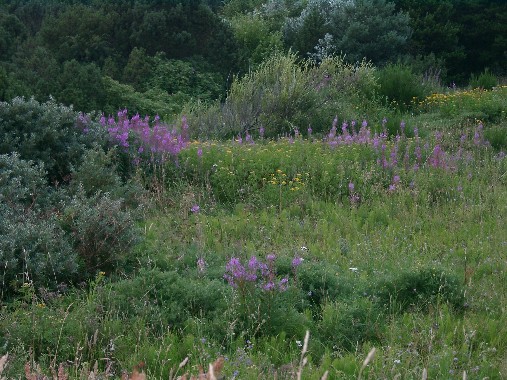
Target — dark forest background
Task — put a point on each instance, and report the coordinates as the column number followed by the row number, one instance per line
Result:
column 156, row 56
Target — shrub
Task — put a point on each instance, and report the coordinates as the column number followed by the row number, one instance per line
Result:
column 485, row 80
column 400, row 85
column 284, row 95
column 344, row 325
column 102, row 233
column 419, row 289
column 42, row 132
column 497, row 137
column 33, row 248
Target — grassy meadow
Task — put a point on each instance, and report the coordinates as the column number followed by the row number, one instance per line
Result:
column 387, row 234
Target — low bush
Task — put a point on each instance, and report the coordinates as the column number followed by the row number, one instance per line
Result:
column 42, row 132
column 33, row 248
column 419, row 290
column 101, row 232
column 284, row 96
column 485, row 80
column 400, row 86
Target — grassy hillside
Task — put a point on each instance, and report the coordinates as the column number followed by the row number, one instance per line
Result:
column 385, row 234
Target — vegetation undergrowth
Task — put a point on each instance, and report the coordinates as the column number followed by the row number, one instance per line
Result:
column 381, row 234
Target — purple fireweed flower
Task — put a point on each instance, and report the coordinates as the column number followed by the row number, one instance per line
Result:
column 235, row 272
column 201, row 264
column 396, row 179
column 310, row 130
column 253, row 263
column 364, row 124
column 271, row 257
column 283, row 284
column 195, row 209
column 297, row 261
column 351, row 187
column 261, row 131
column 199, row 152
column 402, row 127
column 269, row 286
column 392, row 187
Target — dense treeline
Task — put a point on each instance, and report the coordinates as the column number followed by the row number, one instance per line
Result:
column 155, row 56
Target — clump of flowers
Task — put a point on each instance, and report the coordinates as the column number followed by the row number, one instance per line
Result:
column 142, row 137
column 262, row 274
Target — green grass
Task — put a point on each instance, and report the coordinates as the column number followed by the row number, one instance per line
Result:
column 419, row 271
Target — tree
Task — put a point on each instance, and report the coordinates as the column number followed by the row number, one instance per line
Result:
column 138, row 69
column 12, row 33
column 256, row 41
column 81, row 85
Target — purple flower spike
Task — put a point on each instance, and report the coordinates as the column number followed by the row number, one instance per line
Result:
column 199, row 152
column 253, row 263
column 271, row 257
column 283, row 284
column 297, row 262
column 195, row 209
column 351, row 187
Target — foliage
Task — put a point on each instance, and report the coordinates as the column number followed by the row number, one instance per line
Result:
column 486, row 80
column 283, row 96
column 42, row 132
column 475, row 104
column 256, row 40
column 33, row 248
column 399, row 85
column 420, row 290
column 373, row 30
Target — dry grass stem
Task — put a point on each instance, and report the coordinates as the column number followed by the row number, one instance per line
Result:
column 369, row 358
column 303, row 359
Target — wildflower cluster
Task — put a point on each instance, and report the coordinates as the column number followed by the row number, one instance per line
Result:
column 350, row 135
column 140, row 137
column 262, row 274
column 279, row 178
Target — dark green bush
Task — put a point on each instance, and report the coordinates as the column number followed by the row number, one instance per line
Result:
column 321, row 283
column 344, row 325
column 400, row 85
column 42, row 132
